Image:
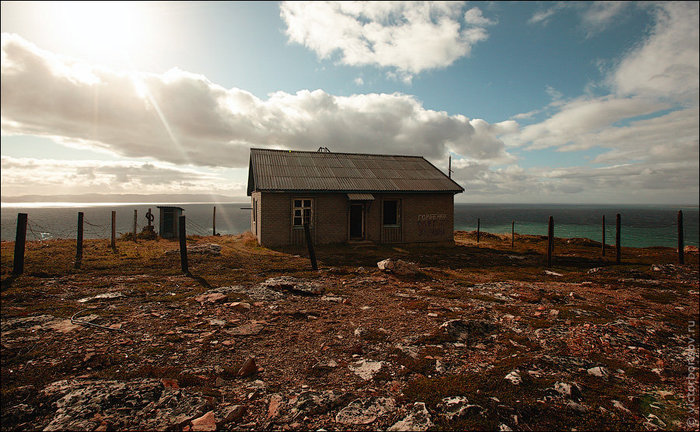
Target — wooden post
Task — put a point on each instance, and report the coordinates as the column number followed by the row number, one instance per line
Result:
column 617, row 238
column 20, row 240
column 183, row 245
column 135, row 211
column 681, row 257
column 113, row 243
column 550, row 241
column 478, row 229
column 79, row 245
column 213, row 230
column 603, row 242
column 310, row 245
column 512, row 235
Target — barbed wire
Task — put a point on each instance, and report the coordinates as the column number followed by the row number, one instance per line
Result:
column 87, row 222
column 36, row 237
column 195, row 228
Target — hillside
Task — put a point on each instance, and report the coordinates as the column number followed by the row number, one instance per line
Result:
column 474, row 336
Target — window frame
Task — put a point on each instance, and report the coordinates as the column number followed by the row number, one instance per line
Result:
column 302, row 211
column 397, row 215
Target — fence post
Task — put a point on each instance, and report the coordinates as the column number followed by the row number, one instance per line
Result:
column 512, row 235
column 20, row 240
column 79, row 243
column 310, row 245
column 550, row 241
column 183, row 244
column 478, row 229
column 113, row 243
column 135, row 212
column 681, row 257
column 603, row 241
column 213, row 230
column 617, row 238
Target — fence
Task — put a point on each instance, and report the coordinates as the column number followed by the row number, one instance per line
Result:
column 38, row 230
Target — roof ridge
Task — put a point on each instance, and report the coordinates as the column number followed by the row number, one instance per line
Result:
column 326, row 154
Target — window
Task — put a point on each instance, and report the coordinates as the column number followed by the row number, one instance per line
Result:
column 255, row 210
column 301, row 212
column 391, row 210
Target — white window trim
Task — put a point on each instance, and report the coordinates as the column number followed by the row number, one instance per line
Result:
column 302, row 208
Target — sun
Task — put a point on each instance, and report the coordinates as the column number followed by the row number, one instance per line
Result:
column 108, row 32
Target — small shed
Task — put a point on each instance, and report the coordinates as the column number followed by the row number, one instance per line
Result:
column 348, row 198
column 170, row 221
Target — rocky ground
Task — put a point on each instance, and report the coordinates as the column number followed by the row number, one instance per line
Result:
column 475, row 336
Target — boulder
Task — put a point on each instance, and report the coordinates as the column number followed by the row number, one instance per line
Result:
column 398, row 267
column 366, row 369
column 205, row 423
column 418, row 419
column 458, row 407
column 232, row 413
column 514, row 377
column 312, row 403
column 365, row 411
column 249, row 368
column 598, row 371
column 293, row 285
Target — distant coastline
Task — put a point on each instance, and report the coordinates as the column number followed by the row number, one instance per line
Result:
column 96, row 200
column 91, row 200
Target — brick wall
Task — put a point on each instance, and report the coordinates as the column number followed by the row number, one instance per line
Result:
column 425, row 218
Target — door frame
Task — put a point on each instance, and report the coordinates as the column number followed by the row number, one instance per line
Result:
column 363, row 220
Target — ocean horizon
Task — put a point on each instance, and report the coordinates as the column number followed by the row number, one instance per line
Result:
column 643, row 225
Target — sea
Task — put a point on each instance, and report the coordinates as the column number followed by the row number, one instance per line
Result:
column 641, row 225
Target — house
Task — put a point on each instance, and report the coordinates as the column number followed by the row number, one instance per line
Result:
column 348, row 197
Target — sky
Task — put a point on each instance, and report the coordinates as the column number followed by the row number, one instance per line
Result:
column 536, row 102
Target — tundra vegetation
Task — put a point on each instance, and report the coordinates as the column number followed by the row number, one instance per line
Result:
column 469, row 336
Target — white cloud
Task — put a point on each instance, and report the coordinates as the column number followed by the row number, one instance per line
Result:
column 661, row 73
column 543, row 16
column 647, row 127
column 183, row 118
column 665, row 65
column 90, row 176
column 583, row 116
column 409, row 37
column 600, row 15
column 671, row 183
column 594, row 16
column 475, row 17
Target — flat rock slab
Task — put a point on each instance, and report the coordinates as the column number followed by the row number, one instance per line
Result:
column 135, row 405
column 250, row 329
column 365, row 411
column 366, row 369
column 25, row 322
column 105, row 296
column 63, row 326
column 214, row 297
column 418, row 419
column 310, row 403
column 293, row 285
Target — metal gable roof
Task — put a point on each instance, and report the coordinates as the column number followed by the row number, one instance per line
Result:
column 286, row 170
